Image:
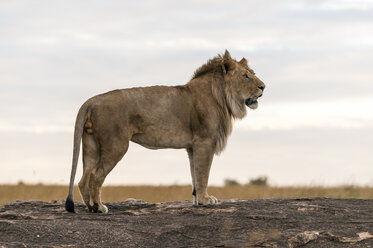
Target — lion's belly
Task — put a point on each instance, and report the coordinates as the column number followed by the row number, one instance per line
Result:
column 155, row 138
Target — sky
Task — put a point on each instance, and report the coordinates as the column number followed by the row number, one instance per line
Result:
column 313, row 126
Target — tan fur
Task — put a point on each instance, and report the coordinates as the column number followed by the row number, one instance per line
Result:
column 196, row 116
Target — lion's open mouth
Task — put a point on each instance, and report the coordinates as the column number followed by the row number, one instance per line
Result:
column 251, row 103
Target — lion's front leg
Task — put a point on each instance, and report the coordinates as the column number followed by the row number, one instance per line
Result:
column 203, row 153
column 191, row 161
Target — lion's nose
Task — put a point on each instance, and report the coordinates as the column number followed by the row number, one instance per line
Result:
column 262, row 89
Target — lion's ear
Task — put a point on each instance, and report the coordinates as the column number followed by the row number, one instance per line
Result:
column 243, row 61
column 227, row 55
column 228, row 63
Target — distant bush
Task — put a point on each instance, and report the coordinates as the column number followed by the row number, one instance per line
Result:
column 231, row 182
column 259, row 181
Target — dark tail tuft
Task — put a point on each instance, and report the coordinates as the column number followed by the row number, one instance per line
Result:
column 69, row 205
column 194, row 192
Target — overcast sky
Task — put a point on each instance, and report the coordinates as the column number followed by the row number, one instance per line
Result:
column 314, row 124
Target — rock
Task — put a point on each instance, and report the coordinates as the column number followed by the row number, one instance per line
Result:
column 294, row 222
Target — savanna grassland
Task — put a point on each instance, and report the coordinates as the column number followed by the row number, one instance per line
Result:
column 152, row 194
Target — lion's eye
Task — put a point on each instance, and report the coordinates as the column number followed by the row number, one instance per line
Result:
column 246, row 76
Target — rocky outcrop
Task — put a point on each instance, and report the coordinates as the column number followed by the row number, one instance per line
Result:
column 315, row 222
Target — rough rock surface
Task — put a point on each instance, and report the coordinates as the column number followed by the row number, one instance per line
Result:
column 316, row 222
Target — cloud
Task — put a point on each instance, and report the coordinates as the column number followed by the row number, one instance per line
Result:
column 314, row 56
column 336, row 5
column 299, row 156
column 349, row 113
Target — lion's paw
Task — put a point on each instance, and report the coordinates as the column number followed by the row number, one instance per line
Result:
column 103, row 209
column 208, row 200
column 100, row 208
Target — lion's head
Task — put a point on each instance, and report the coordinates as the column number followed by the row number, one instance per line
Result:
column 238, row 87
column 242, row 87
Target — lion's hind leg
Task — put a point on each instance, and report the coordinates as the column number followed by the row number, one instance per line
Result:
column 91, row 158
column 111, row 153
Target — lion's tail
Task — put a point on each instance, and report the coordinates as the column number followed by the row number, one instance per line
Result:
column 78, row 132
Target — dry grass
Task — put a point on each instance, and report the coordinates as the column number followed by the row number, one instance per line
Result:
column 153, row 194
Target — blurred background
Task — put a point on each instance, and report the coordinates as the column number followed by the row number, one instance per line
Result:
column 314, row 124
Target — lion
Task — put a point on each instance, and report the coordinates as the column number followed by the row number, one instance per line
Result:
column 196, row 116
